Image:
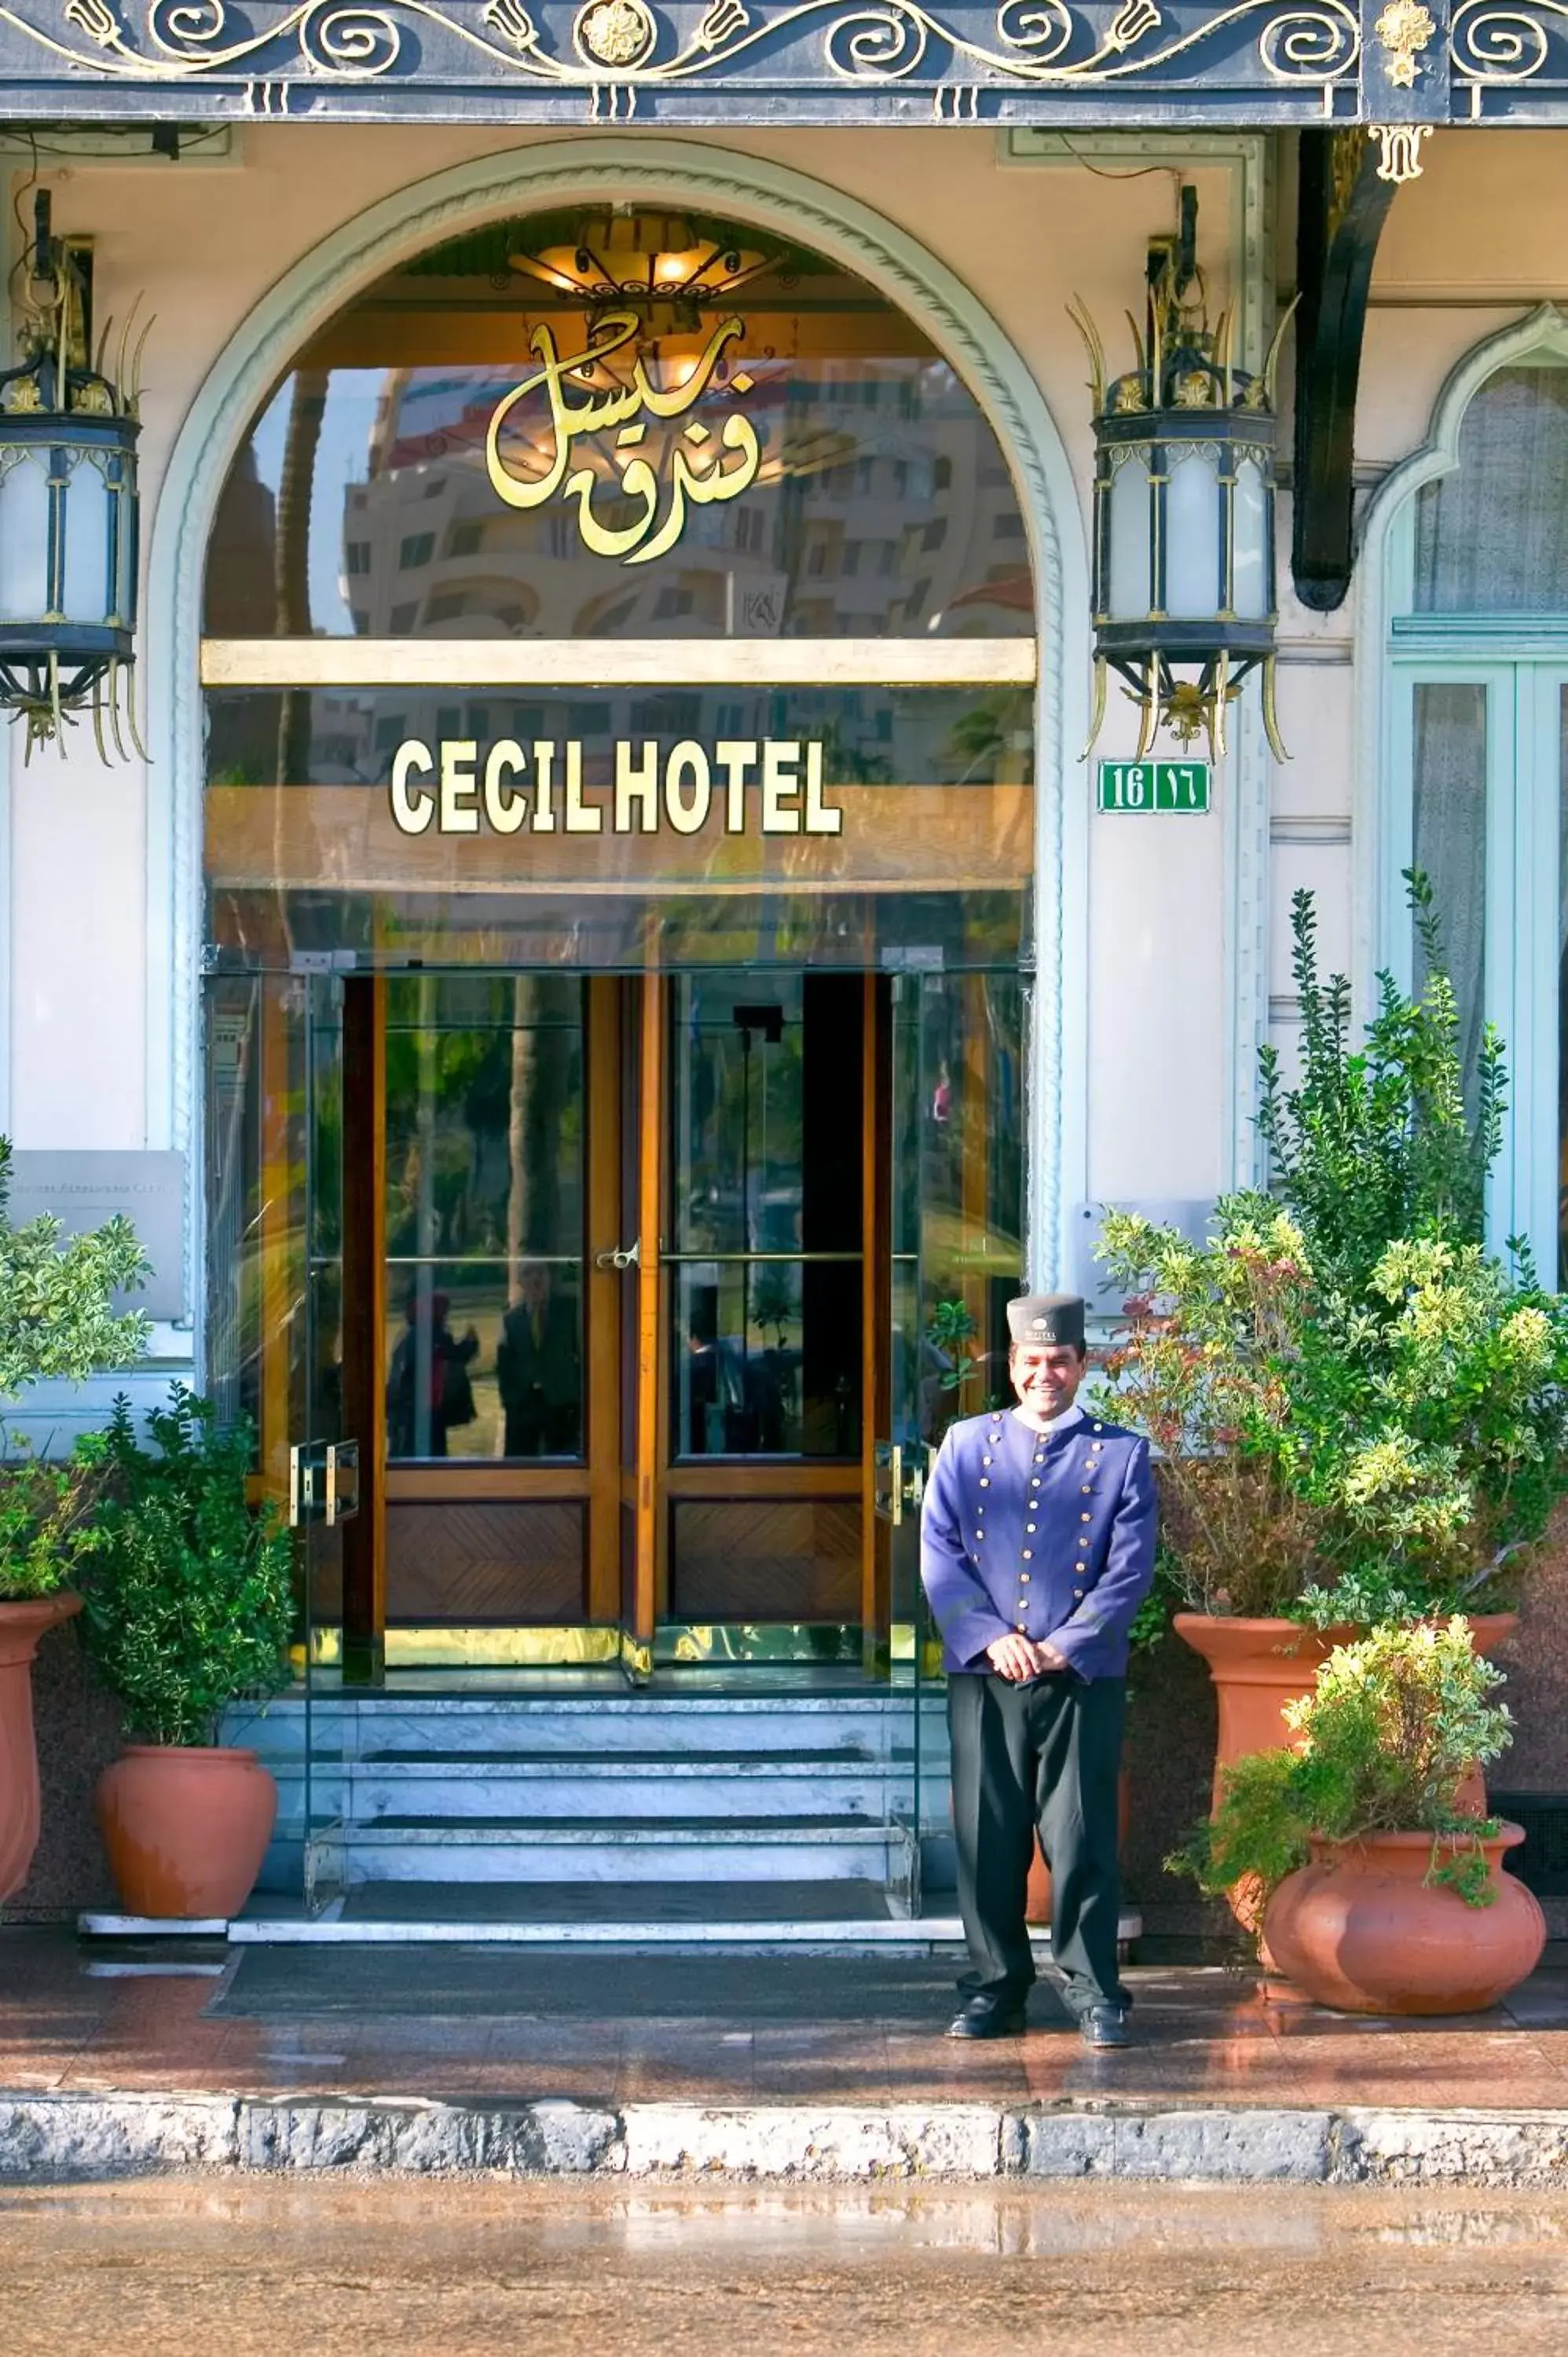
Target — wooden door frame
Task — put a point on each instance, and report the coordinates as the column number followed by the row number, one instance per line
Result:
column 637, row 1473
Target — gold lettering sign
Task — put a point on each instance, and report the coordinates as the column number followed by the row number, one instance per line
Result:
column 699, row 473
column 459, row 787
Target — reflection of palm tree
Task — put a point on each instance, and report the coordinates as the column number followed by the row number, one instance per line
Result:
column 772, row 1300
column 541, row 1059
column 296, row 481
column 985, row 735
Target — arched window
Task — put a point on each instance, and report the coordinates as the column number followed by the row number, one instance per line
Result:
column 619, row 646
column 1477, row 641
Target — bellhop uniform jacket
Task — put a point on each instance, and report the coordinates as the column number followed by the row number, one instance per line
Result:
column 1047, row 1534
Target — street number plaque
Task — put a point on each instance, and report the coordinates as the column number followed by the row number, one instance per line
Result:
column 1153, row 785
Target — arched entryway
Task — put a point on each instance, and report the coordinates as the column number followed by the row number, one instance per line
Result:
column 542, row 820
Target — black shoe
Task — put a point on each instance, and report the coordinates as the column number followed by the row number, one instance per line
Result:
column 1103, row 2025
column 989, row 2017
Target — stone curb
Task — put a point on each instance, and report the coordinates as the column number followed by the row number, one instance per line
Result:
column 90, row 2135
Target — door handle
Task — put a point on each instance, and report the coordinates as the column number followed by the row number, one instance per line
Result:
column 621, row 1256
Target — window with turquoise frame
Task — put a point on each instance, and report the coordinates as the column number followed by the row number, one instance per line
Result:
column 1478, row 746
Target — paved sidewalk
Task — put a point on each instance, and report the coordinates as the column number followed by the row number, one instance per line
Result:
column 615, row 2029
column 486, row 2058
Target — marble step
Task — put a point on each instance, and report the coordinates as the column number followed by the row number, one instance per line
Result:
column 525, row 1850
column 500, row 1785
column 719, row 1726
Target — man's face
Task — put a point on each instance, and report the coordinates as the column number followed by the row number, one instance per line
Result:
column 1045, row 1376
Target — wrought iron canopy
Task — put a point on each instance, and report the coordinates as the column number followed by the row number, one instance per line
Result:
column 1400, row 65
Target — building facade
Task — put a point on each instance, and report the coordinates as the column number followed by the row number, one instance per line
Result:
column 614, row 964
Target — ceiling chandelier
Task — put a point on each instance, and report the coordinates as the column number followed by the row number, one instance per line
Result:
column 660, row 265
column 1184, row 510
column 68, row 507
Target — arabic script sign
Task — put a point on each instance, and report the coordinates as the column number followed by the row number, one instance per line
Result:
column 693, row 467
column 458, row 787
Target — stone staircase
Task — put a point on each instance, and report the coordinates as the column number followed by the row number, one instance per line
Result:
column 586, row 1813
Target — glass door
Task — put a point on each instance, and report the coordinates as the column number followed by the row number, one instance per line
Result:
column 323, row 1469
column 277, row 1333
column 1478, row 805
column 954, row 1221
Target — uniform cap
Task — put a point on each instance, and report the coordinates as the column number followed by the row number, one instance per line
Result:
column 1043, row 1318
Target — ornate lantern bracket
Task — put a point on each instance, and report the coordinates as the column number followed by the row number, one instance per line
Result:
column 69, row 556
column 1184, row 509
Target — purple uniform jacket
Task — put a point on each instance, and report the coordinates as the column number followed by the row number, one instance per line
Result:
column 1051, row 1534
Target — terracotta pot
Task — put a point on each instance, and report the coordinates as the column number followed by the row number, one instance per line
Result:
column 1362, row 1929
column 1037, row 1898
column 21, row 1626
column 186, row 1828
column 1257, row 1667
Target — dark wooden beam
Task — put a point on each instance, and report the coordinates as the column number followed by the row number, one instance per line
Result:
column 1342, row 207
column 364, row 1318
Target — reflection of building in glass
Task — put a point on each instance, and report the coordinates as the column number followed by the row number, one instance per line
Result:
column 882, row 506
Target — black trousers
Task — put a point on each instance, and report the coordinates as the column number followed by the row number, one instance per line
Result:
column 1044, row 1755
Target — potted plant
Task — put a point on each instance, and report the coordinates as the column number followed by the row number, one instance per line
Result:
column 1361, row 1414
column 57, row 1319
column 189, row 1601
column 1382, row 1894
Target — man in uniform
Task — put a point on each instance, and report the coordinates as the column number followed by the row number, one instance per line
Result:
column 1037, row 1548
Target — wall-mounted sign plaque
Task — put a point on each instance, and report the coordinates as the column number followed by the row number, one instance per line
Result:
column 1154, row 786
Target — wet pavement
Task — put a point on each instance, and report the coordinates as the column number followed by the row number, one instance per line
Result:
column 497, row 2025
column 159, row 2269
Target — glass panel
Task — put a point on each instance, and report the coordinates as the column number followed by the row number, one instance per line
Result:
column 1562, row 992
column 1450, row 837
column 1131, row 595
column 1251, row 588
column 870, row 498
column 274, row 1319
column 1192, row 533
column 843, row 827
column 87, row 569
column 25, row 540
column 765, row 1173
column 1493, row 536
column 957, row 1232
column 484, row 1217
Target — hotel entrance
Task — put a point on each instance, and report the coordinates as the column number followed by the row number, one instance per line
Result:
column 618, row 840
column 631, row 1292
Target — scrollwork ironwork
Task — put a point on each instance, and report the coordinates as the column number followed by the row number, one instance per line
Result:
column 1022, row 44
column 1489, row 42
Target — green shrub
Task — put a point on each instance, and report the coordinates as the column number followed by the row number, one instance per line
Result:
column 56, row 1313
column 1375, row 1146
column 1397, row 1721
column 1360, row 1414
column 45, row 1514
column 189, row 1593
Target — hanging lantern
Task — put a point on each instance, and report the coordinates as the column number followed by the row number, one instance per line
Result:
column 68, row 512
column 1184, row 511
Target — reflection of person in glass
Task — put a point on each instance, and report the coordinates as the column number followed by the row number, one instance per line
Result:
column 428, row 1390
column 537, row 1371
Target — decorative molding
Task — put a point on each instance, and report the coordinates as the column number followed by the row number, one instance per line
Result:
column 1260, row 64
column 1279, row 61
column 614, row 169
column 1311, row 830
